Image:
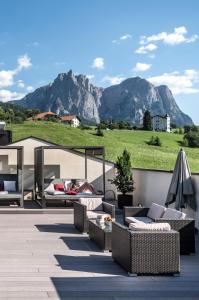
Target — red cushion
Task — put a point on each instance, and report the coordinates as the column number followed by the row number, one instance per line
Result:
column 59, row 187
column 71, row 192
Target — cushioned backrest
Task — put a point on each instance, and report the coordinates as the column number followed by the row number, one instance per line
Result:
column 173, row 214
column 141, row 226
column 92, row 203
column 156, row 211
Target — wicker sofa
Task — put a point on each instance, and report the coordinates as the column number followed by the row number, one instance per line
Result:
column 185, row 227
column 151, row 252
column 87, row 208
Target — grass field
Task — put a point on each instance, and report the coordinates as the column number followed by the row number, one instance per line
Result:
column 142, row 155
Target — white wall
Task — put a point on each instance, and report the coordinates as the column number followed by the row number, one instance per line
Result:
column 152, row 186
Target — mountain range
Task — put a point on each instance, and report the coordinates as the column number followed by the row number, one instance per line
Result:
column 127, row 101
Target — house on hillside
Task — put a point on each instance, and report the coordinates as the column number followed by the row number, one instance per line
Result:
column 73, row 120
column 44, row 116
column 161, row 123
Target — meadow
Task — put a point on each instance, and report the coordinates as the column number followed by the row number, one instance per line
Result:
column 135, row 141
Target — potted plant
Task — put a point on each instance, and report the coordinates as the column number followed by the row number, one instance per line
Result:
column 124, row 180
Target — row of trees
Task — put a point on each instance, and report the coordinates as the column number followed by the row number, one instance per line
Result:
column 15, row 114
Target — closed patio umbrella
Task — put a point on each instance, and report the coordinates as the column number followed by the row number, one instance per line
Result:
column 181, row 188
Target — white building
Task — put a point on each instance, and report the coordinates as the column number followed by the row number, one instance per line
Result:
column 73, row 120
column 161, row 123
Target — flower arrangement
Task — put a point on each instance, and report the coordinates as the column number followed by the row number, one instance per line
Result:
column 108, row 219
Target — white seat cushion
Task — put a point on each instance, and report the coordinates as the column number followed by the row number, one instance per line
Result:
column 92, row 203
column 138, row 219
column 156, row 211
column 173, row 214
column 92, row 215
column 141, row 226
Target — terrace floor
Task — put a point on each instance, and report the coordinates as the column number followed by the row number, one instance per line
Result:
column 42, row 256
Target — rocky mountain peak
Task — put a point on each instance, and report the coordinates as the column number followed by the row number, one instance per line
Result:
column 126, row 101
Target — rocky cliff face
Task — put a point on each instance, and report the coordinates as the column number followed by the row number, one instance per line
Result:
column 67, row 94
column 126, row 101
column 132, row 97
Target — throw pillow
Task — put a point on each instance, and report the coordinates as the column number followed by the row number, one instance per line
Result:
column 67, row 184
column 173, row 214
column 156, row 211
column 59, row 187
column 10, row 186
column 50, row 189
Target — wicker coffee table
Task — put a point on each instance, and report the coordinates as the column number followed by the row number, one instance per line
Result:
column 101, row 236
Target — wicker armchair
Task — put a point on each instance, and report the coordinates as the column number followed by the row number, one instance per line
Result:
column 186, row 227
column 81, row 215
column 146, row 252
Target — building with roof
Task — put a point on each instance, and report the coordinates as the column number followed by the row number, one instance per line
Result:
column 161, row 123
column 44, row 116
column 73, row 120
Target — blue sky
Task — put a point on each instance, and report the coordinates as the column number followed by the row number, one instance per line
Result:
column 107, row 40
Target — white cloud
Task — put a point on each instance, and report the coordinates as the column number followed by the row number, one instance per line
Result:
column 20, row 83
column 178, row 36
column 141, row 67
column 98, row 63
column 24, row 62
column 113, row 79
column 35, row 44
column 7, row 76
column 90, row 77
column 126, row 37
column 122, row 38
column 6, row 95
column 184, row 83
column 146, row 49
column 30, row 88
column 60, row 63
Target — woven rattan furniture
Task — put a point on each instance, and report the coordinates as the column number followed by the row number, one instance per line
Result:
column 150, row 252
column 101, row 236
column 186, row 227
column 82, row 215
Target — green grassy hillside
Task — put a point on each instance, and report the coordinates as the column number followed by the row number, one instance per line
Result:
column 142, row 155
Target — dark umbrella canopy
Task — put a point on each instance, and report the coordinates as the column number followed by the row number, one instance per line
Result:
column 181, row 188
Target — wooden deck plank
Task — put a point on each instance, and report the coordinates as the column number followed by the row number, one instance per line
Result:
column 42, row 256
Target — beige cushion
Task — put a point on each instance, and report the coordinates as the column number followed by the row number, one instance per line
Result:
column 92, row 203
column 92, row 215
column 138, row 219
column 173, row 214
column 141, row 226
column 156, row 211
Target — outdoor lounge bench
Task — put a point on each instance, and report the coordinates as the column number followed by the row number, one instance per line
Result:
column 146, row 252
column 88, row 209
column 185, row 226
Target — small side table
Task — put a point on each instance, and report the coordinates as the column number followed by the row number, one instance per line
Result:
column 101, row 236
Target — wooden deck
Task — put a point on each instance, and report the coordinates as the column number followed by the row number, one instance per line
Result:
column 42, row 256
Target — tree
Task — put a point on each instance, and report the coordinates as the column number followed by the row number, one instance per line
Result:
column 155, row 141
column 191, row 139
column 99, row 131
column 147, row 124
column 124, row 178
